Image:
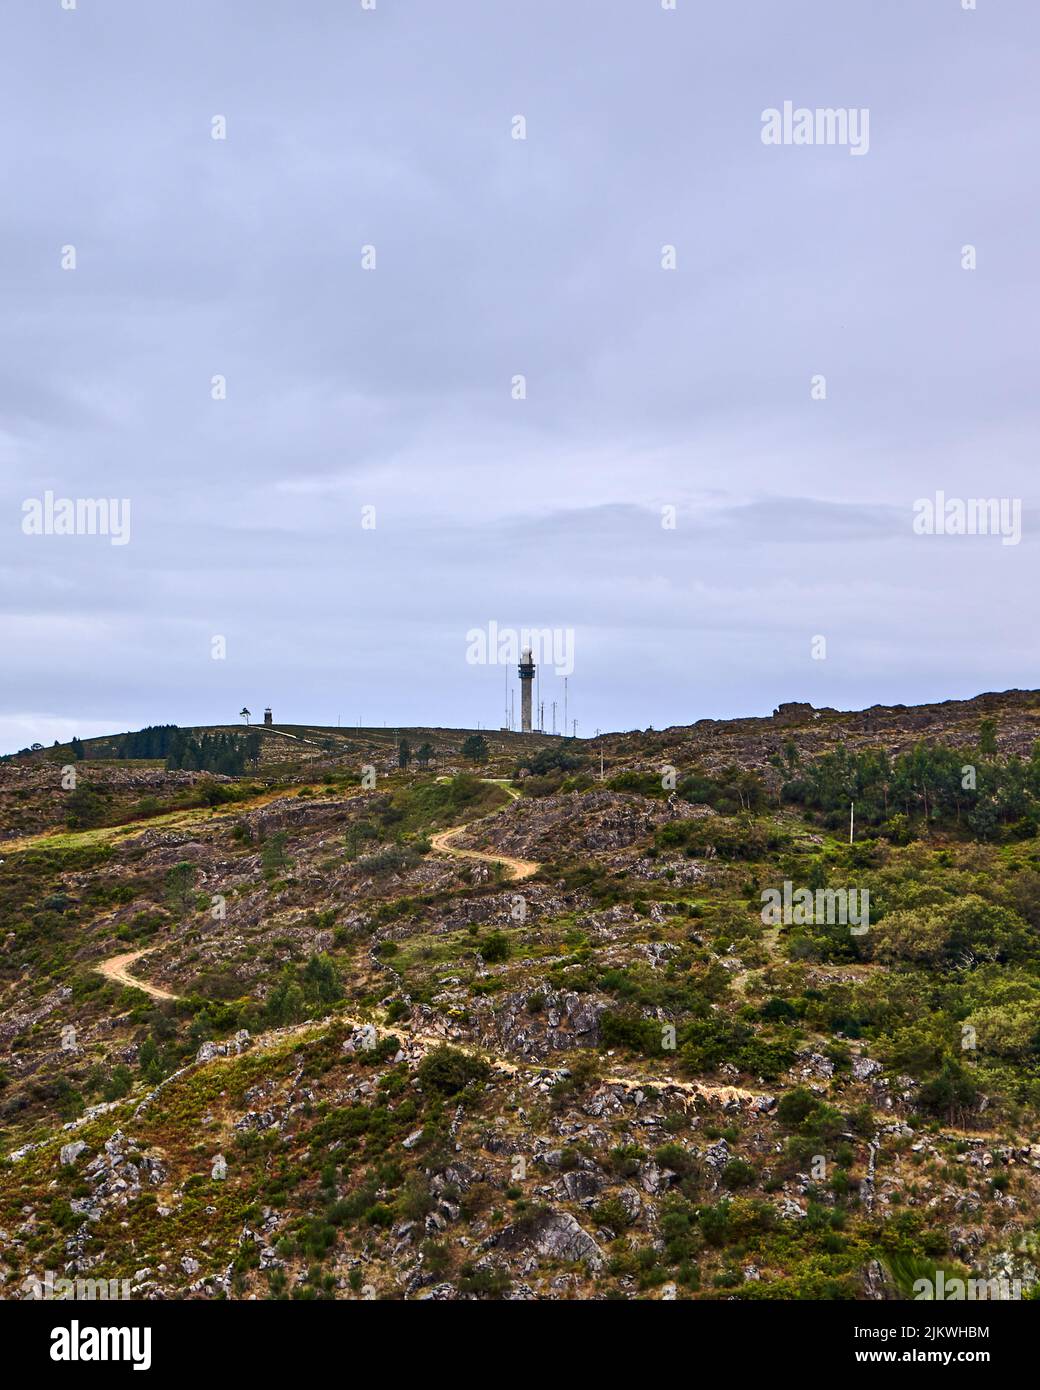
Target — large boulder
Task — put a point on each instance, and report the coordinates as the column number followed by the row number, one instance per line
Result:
column 556, row 1235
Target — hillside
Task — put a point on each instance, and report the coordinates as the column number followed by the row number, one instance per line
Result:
column 124, row 788
column 523, row 1028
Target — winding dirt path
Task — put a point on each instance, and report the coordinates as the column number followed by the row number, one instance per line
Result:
column 427, row 1042
column 116, row 968
column 441, row 842
column 518, row 868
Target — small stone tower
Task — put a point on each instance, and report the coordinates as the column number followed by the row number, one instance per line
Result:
column 268, row 717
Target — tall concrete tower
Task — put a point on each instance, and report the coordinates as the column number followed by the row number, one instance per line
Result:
column 526, row 670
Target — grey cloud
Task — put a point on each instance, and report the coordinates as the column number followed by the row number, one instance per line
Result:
column 498, row 257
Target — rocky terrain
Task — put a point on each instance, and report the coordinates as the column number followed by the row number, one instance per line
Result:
column 749, row 742
column 511, row 1029
column 34, row 799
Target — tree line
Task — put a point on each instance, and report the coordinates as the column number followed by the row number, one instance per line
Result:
column 936, row 785
column 226, row 754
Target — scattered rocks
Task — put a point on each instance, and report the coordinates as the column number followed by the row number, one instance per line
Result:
column 209, row 1050
column 561, row 1020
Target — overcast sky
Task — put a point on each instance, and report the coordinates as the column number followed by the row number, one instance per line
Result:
column 392, row 387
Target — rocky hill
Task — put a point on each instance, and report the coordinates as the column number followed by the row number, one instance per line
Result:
column 523, row 1028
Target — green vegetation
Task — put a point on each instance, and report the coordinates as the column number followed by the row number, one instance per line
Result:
column 303, row 993
column 223, row 753
column 930, row 786
column 475, row 748
column 433, row 805
column 449, row 1071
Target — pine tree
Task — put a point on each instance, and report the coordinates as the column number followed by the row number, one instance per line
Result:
column 475, row 748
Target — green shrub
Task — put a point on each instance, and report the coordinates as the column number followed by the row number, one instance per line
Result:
column 495, row 947
column 448, row 1071
column 737, row 1173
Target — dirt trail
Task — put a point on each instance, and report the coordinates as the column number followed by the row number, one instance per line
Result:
column 117, row 968
column 505, row 784
column 692, row 1090
column 698, row 1090
column 518, row 868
